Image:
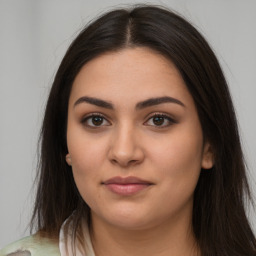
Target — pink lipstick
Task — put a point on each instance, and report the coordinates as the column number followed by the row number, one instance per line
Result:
column 126, row 186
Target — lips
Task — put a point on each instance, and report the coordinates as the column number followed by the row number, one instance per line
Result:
column 126, row 186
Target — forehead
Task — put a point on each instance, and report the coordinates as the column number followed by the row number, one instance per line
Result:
column 129, row 74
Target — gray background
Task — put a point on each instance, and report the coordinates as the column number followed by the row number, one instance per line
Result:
column 33, row 38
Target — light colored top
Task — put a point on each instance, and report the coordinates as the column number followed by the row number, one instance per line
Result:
column 32, row 246
column 65, row 243
column 36, row 245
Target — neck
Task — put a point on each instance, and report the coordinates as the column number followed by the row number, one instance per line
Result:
column 167, row 238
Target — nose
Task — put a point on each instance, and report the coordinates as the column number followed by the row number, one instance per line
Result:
column 125, row 148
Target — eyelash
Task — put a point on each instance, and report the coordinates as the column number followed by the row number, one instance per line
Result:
column 167, row 118
column 90, row 116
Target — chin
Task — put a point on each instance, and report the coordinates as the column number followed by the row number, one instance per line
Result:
column 129, row 219
column 130, row 223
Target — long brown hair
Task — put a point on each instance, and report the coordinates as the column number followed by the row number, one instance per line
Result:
column 220, row 224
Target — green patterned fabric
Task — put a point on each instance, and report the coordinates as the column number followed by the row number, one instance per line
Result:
column 37, row 245
column 32, row 246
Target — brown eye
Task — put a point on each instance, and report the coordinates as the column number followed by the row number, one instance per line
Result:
column 94, row 121
column 97, row 120
column 160, row 120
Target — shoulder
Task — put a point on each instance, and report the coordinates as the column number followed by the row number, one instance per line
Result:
column 34, row 245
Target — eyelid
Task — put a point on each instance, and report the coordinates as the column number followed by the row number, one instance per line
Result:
column 164, row 115
column 90, row 115
column 170, row 119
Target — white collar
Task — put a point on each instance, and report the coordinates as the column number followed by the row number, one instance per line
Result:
column 65, row 242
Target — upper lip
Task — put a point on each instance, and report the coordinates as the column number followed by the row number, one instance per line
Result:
column 126, row 180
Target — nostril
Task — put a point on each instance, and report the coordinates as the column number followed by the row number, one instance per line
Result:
column 132, row 161
column 124, row 163
column 114, row 161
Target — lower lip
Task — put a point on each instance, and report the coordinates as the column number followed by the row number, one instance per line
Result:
column 127, row 189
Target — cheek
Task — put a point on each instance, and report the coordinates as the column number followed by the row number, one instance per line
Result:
column 87, row 151
column 178, row 166
column 86, row 177
column 86, row 167
column 177, row 153
column 179, row 158
column 88, row 155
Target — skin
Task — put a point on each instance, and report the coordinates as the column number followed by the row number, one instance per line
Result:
column 168, row 152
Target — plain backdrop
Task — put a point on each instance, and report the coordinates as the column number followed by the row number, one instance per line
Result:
column 34, row 36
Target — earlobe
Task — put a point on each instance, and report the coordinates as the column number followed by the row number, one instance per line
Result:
column 207, row 158
column 68, row 159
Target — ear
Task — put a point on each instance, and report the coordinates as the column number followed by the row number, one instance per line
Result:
column 207, row 157
column 68, row 159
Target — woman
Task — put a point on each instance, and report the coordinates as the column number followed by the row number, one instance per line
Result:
column 140, row 151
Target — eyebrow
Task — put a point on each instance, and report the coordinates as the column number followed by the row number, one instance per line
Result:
column 156, row 101
column 94, row 101
column 140, row 105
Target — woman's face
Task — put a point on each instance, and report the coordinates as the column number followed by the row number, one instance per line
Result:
column 134, row 139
